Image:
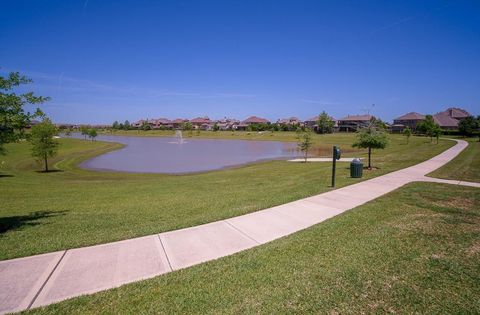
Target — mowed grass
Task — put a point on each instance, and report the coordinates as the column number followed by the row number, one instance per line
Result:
column 45, row 212
column 466, row 166
column 415, row 250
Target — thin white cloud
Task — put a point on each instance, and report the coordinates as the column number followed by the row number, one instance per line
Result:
column 391, row 25
column 94, row 89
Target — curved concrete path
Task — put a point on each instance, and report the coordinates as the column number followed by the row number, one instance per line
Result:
column 44, row 279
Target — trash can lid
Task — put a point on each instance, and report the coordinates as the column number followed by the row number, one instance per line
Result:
column 356, row 160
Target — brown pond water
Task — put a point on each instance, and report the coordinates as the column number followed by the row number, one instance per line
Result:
column 172, row 155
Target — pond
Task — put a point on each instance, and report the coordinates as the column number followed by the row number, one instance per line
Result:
column 174, row 155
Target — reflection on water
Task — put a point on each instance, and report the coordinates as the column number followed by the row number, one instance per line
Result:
column 168, row 155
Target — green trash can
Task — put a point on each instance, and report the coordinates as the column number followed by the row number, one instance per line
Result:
column 356, row 168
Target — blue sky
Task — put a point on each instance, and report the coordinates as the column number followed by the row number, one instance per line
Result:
column 102, row 61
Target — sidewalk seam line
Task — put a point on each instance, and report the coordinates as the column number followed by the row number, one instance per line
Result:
column 48, row 278
column 241, row 232
column 165, row 252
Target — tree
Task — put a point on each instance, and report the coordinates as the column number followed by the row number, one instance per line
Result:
column 92, row 133
column 407, row 132
column 216, row 127
column 145, row 125
column 84, row 130
column 478, row 127
column 324, row 123
column 187, row 126
column 427, row 127
column 379, row 123
column 126, row 125
column 304, row 141
column 436, row 132
column 370, row 138
column 468, row 126
column 13, row 117
column 43, row 143
column 115, row 125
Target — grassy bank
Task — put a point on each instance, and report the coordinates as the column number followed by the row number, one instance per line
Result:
column 73, row 207
column 466, row 166
column 416, row 250
column 240, row 135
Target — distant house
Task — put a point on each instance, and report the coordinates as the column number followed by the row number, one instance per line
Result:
column 164, row 123
column 203, row 123
column 410, row 120
column 457, row 113
column 289, row 121
column 354, row 122
column 450, row 118
column 152, row 123
column 252, row 120
column 138, row 123
column 178, row 123
column 445, row 121
column 228, row 123
column 312, row 122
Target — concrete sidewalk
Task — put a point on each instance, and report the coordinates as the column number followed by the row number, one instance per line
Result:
column 44, row 279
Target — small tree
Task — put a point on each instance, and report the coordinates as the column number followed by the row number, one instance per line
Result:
column 370, row 138
column 145, row 125
column 407, row 132
column 92, row 133
column 115, row 125
column 436, row 132
column 13, row 117
column 467, row 126
column 187, row 126
column 324, row 123
column 84, row 130
column 304, row 141
column 427, row 127
column 43, row 143
column 127, row 125
column 216, row 127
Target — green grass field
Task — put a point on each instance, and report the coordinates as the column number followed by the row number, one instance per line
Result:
column 466, row 166
column 415, row 250
column 73, row 207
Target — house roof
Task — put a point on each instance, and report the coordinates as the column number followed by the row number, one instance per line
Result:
column 255, row 120
column 444, row 120
column 163, row 121
column 411, row 116
column 288, row 120
column 200, row 120
column 179, row 121
column 457, row 113
column 357, row 118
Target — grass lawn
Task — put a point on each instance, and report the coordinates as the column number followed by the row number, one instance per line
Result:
column 73, row 207
column 415, row 250
column 466, row 166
